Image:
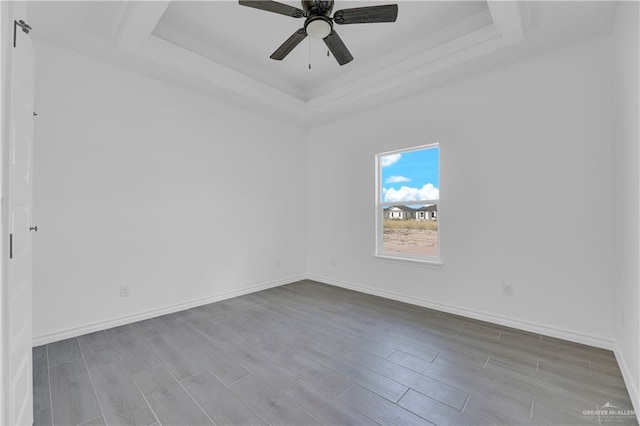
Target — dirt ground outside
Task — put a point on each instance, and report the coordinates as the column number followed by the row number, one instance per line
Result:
column 417, row 242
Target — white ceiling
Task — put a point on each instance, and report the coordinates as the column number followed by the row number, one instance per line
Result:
column 243, row 38
column 221, row 49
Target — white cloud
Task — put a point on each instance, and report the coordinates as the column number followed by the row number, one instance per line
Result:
column 397, row 179
column 407, row 193
column 388, row 160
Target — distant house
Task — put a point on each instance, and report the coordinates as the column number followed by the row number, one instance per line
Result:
column 405, row 213
column 399, row 213
column 427, row 212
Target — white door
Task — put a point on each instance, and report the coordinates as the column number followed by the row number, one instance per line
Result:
column 17, row 292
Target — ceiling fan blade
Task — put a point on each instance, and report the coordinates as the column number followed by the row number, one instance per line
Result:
column 289, row 45
column 367, row 15
column 275, row 7
column 337, row 47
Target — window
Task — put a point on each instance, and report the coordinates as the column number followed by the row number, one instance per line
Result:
column 407, row 199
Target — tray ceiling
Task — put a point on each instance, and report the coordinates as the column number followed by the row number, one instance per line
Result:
column 221, row 49
column 243, row 38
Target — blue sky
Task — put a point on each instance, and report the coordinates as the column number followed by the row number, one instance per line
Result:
column 410, row 176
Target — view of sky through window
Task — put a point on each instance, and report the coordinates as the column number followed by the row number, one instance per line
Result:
column 410, row 176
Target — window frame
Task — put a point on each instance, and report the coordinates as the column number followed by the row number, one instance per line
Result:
column 380, row 205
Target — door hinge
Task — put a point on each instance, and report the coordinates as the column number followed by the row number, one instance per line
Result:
column 23, row 25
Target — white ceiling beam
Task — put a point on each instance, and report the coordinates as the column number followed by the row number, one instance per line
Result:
column 508, row 19
column 137, row 22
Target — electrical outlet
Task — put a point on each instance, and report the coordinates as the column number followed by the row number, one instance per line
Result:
column 124, row 290
column 507, row 290
column 278, row 263
column 333, row 261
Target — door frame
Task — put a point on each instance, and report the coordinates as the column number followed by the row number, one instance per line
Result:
column 6, row 12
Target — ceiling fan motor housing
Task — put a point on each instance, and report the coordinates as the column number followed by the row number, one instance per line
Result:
column 317, row 7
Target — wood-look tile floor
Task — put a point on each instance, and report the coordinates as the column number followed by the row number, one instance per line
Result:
column 308, row 353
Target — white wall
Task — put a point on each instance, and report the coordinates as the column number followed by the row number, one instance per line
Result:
column 527, row 170
column 627, row 185
column 142, row 183
column 526, row 199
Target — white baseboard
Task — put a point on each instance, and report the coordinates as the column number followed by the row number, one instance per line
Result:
column 479, row 315
column 127, row 319
column 532, row 327
column 629, row 380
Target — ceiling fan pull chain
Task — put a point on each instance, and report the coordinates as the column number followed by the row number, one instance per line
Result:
column 309, row 53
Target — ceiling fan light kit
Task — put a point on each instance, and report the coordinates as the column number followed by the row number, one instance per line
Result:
column 318, row 27
column 319, row 24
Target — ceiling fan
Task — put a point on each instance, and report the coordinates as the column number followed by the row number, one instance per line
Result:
column 318, row 24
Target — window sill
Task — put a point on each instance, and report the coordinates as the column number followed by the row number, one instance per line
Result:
column 431, row 264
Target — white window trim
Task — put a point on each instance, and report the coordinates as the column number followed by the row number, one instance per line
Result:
column 419, row 262
column 432, row 262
